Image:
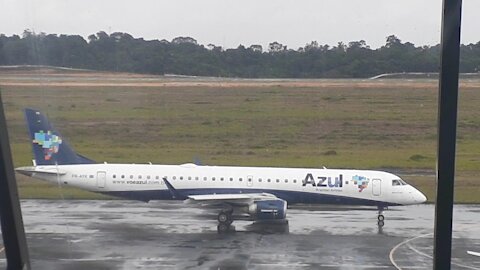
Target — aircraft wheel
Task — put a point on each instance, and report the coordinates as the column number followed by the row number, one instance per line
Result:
column 224, row 218
column 381, row 223
column 381, row 218
column 224, row 228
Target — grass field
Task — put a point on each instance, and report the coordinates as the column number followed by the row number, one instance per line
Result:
column 385, row 124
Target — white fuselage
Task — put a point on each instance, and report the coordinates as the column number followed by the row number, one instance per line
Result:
column 295, row 185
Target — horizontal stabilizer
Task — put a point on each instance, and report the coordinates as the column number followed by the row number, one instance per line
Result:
column 30, row 171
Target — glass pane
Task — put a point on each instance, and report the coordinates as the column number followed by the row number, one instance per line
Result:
column 3, row 263
column 286, row 87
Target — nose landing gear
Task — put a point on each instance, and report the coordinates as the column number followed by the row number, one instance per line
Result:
column 381, row 217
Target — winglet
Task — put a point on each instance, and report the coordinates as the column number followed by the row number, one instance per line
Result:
column 173, row 191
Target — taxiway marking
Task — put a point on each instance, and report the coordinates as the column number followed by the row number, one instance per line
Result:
column 473, row 253
column 451, row 262
column 420, row 253
column 401, row 244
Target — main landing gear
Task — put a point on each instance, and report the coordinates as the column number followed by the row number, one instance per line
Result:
column 381, row 217
column 225, row 220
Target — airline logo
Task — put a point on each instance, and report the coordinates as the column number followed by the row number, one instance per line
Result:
column 323, row 181
column 49, row 142
column 361, row 182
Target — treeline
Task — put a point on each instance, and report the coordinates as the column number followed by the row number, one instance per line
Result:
column 182, row 55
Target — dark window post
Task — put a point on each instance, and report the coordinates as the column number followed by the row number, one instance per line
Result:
column 11, row 217
column 447, row 124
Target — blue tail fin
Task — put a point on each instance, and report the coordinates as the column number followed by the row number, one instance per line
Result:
column 49, row 148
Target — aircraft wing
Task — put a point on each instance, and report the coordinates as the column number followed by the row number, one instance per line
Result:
column 237, row 199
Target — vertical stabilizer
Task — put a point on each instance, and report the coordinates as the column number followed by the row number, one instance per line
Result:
column 49, row 147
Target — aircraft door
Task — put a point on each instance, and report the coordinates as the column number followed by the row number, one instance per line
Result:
column 249, row 181
column 101, row 178
column 376, row 187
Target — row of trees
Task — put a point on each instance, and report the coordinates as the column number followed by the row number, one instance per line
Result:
column 182, row 55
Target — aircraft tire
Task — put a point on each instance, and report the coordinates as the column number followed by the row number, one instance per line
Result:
column 222, row 228
column 224, row 218
column 381, row 217
column 381, row 223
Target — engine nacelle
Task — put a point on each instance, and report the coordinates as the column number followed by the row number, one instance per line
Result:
column 268, row 209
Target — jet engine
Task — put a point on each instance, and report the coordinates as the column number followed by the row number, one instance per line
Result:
column 268, row 209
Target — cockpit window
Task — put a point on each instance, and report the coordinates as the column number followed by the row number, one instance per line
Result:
column 396, row 182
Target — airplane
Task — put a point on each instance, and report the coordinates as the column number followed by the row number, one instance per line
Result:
column 240, row 193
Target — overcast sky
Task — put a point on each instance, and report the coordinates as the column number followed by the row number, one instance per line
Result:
column 230, row 23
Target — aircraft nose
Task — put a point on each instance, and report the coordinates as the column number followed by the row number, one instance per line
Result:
column 419, row 197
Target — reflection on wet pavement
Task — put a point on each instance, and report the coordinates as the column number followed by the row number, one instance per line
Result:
column 173, row 235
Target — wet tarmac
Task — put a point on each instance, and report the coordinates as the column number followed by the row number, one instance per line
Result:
column 173, row 235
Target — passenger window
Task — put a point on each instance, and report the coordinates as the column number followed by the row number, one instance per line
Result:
column 268, row 180
column 294, row 180
column 139, row 177
column 148, row 176
column 114, row 176
column 131, row 176
column 240, row 179
column 181, row 177
column 123, row 176
column 221, row 179
column 196, row 178
column 278, row 180
column 213, row 178
column 189, row 178
column 174, row 178
column 231, row 179
column 204, row 178
column 286, row 180
column 260, row 180
column 156, row 177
